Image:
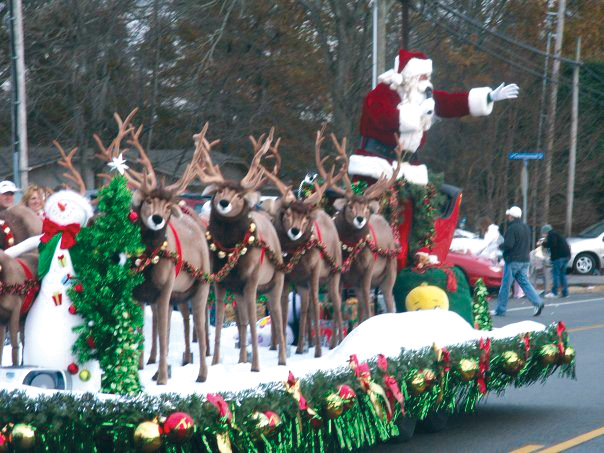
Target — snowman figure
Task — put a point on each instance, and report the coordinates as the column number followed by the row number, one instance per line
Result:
column 49, row 335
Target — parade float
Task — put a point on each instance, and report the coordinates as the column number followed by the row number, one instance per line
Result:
column 437, row 355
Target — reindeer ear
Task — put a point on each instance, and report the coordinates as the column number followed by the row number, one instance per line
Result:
column 211, row 189
column 339, row 203
column 137, row 198
column 176, row 211
column 271, row 206
column 374, row 206
column 252, row 198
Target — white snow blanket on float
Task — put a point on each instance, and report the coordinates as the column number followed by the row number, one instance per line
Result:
column 384, row 334
column 374, row 167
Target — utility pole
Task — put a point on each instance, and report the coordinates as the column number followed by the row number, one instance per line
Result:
column 551, row 112
column 19, row 112
column 572, row 153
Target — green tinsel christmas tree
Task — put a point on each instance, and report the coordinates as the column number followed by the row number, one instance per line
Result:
column 480, row 307
column 103, row 297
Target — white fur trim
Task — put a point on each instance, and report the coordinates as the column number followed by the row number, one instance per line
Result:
column 415, row 67
column 409, row 117
column 374, row 167
column 390, row 77
column 477, row 101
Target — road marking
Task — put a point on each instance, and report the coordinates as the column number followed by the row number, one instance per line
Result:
column 579, row 329
column 527, row 449
column 582, row 301
column 574, row 441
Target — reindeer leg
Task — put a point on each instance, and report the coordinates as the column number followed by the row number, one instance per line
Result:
column 207, row 339
column 284, row 308
column 163, row 326
column 304, row 300
column 366, row 291
column 187, row 356
column 276, row 308
column 242, row 321
column 249, row 303
column 336, row 300
column 14, row 335
column 220, row 293
column 153, row 351
column 314, row 294
column 199, row 305
column 141, row 357
column 2, row 337
column 388, row 285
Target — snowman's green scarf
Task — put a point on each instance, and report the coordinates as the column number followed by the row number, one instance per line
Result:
column 47, row 252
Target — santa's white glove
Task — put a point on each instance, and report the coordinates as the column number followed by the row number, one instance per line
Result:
column 427, row 107
column 503, row 92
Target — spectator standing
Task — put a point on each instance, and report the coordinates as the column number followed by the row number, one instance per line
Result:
column 7, row 194
column 33, row 198
column 559, row 251
column 516, row 247
column 492, row 240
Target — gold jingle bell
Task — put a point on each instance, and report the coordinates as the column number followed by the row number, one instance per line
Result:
column 221, row 254
column 11, row 241
column 22, row 437
column 251, row 240
column 137, row 262
column 467, row 369
column 252, row 227
column 208, row 235
column 244, row 250
column 164, row 246
column 511, row 362
column 548, row 354
column 568, row 356
column 213, row 247
column 155, row 259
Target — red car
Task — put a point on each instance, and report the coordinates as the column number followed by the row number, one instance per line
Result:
column 475, row 267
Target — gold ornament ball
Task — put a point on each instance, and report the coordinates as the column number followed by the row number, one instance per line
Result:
column 147, row 437
column 426, row 297
column 548, row 354
column 22, row 437
column 334, row 405
column 84, row 375
column 511, row 362
column 569, row 355
column 418, row 384
column 467, row 369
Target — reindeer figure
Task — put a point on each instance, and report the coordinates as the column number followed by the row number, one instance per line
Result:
column 164, row 226
column 298, row 223
column 357, row 220
column 233, row 221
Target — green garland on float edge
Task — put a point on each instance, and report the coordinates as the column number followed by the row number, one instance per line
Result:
column 480, row 307
column 65, row 422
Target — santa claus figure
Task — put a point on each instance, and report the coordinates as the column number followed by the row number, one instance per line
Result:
column 404, row 104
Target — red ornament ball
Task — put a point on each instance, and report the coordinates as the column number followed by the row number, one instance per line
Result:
column 72, row 310
column 72, row 368
column 90, row 343
column 178, row 427
column 132, row 217
column 78, row 288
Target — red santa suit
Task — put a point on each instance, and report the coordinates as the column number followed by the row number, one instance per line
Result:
column 404, row 104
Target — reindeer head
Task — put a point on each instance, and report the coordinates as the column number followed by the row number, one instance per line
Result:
column 230, row 199
column 354, row 209
column 154, row 202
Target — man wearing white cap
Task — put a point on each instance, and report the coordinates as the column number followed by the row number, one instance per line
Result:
column 7, row 194
column 516, row 247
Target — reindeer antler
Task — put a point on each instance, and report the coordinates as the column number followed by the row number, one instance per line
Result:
column 342, row 157
column 107, row 154
column 66, row 162
column 383, row 183
column 255, row 175
column 206, row 171
column 147, row 176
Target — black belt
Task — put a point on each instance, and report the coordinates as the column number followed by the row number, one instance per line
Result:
column 376, row 147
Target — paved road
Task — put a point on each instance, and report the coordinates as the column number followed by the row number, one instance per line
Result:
column 540, row 418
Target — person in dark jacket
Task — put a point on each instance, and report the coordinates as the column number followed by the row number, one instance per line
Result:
column 516, row 247
column 559, row 251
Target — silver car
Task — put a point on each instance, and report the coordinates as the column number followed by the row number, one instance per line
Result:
column 587, row 250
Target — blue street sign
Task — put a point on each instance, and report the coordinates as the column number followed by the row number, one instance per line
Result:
column 525, row 156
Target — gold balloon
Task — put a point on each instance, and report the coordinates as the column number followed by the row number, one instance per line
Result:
column 426, row 297
column 85, row 375
column 548, row 354
column 334, row 405
column 467, row 369
column 418, row 384
column 147, row 437
column 569, row 355
column 512, row 363
column 22, row 437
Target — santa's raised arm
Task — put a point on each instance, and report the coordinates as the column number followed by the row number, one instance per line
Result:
column 404, row 104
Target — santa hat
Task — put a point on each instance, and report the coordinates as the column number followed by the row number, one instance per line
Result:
column 411, row 64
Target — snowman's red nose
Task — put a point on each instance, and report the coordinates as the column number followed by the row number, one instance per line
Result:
column 61, row 206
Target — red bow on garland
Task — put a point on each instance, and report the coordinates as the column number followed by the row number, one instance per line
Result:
column 50, row 229
column 392, row 390
column 483, row 366
column 560, row 329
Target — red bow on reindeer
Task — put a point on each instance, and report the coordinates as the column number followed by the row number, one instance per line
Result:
column 50, row 229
